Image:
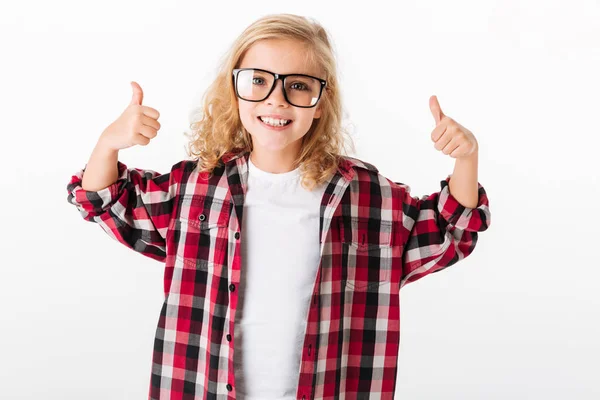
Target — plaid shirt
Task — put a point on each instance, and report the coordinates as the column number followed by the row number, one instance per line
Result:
column 374, row 239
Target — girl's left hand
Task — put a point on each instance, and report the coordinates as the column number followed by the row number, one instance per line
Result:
column 449, row 136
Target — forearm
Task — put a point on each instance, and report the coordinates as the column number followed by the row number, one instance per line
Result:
column 463, row 183
column 101, row 170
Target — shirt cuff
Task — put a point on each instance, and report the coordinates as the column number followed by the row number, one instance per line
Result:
column 96, row 201
column 465, row 218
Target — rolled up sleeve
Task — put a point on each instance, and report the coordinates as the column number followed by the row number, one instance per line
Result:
column 440, row 230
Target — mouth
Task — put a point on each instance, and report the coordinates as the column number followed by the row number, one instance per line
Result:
column 275, row 127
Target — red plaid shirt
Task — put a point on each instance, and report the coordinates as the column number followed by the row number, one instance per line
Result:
column 374, row 238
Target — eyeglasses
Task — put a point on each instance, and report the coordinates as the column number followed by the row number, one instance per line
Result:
column 254, row 84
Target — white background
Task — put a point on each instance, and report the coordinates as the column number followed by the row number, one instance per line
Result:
column 518, row 319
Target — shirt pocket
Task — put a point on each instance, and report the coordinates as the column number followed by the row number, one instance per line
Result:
column 202, row 232
column 366, row 253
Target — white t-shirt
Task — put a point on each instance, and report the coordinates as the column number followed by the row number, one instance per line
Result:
column 280, row 257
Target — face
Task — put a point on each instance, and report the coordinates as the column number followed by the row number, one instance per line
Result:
column 283, row 57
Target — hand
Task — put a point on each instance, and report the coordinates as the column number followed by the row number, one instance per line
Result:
column 136, row 125
column 449, row 136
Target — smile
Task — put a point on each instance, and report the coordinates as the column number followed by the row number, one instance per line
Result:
column 274, row 127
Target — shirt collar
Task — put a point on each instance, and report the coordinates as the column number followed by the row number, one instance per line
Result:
column 346, row 166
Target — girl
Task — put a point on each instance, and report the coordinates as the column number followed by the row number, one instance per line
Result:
column 283, row 257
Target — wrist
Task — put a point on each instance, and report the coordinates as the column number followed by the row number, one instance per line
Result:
column 104, row 149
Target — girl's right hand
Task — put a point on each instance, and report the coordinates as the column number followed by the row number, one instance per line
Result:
column 137, row 125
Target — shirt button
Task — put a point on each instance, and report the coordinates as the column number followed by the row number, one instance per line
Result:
column 202, row 217
column 231, row 287
column 229, row 387
column 228, row 337
column 237, row 235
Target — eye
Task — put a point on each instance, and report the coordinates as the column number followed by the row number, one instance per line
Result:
column 299, row 86
column 259, row 79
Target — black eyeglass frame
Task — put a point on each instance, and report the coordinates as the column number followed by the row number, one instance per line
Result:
column 236, row 71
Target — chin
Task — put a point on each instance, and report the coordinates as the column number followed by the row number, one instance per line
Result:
column 273, row 141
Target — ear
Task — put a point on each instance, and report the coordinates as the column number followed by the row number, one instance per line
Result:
column 317, row 112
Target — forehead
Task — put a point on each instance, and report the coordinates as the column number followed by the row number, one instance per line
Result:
column 280, row 56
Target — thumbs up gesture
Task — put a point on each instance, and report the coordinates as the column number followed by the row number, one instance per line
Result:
column 136, row 125
column 449, row 136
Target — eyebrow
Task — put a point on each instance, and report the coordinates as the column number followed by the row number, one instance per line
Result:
column 291, row 73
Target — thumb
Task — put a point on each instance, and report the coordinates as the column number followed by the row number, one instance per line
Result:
column 436, row 110
column 138, row 94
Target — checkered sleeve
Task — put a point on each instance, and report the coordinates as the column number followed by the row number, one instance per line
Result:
column 135, row 210
column 440, row 231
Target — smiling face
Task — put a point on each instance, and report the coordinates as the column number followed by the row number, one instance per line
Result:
column 275, row 149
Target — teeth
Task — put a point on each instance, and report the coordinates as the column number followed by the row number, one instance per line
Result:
column 274, row 122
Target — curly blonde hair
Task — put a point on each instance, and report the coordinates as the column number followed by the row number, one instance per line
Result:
column 219, row 129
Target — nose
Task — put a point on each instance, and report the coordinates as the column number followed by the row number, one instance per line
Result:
column 277, row 97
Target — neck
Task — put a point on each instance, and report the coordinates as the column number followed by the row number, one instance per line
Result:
column 275, row 163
